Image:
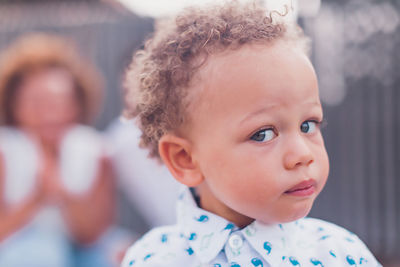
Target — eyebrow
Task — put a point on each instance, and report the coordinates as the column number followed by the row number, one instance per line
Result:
column 262, row 110
column 268, row 107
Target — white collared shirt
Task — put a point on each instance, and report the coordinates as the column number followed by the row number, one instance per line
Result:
column 201, row 238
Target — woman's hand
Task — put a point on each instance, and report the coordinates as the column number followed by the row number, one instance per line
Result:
column 49, row 180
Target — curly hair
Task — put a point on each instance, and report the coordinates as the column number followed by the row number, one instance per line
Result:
column 158, row 79
column 40, row 51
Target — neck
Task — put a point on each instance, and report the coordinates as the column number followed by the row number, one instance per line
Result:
column 209, row 202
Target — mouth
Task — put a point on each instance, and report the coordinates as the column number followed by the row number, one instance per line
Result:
column 303, row 189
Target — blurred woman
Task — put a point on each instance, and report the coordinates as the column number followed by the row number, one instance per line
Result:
column 55, row 178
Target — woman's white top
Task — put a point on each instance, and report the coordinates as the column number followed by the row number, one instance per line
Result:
column 44, row 238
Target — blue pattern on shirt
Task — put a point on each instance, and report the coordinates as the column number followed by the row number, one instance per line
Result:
column 201, row 238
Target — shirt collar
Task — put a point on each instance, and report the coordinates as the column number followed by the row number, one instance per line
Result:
column 207, row 233
column 273, row 242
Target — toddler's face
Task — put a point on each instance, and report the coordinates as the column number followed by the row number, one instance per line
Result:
column 255, row 134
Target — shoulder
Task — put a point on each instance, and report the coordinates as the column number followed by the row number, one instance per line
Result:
column 335, row 242
column 162, row 246
column 8, row 131
column 12, row 137
column 321, row 230
column 320, row 226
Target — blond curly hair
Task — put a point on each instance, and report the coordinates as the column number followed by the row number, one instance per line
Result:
column 40, row 51
column 159, row 77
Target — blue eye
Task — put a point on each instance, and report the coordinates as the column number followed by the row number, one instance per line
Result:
column 264, row 135
column 309, row 126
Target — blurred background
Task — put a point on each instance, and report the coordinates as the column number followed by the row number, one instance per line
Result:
column 355, row 52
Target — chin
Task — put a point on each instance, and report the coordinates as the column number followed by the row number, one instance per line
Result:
column 53, row 135
column 301, row 213
column 296, row 213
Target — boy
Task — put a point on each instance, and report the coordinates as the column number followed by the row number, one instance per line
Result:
column 228, row 99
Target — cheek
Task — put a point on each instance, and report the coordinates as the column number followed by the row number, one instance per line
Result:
column 62, row 112
column 248, row 175
column 67, row 114
column 323, row 167
column 323, row 156
column 225, row 164
column 26, row 115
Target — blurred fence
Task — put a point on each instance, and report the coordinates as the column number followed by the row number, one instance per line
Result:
column 357, row 58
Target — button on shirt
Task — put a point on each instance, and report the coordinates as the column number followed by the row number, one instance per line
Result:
column 201, row 238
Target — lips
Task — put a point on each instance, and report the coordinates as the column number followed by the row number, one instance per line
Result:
column 305, row 188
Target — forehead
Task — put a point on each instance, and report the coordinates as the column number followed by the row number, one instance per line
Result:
column 48, row 81
column 238, row 76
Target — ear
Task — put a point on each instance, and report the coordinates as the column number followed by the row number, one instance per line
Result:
column 177, row 155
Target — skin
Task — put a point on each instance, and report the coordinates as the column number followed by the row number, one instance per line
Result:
column 242, row 95
column 41, row 92
column 46, row 107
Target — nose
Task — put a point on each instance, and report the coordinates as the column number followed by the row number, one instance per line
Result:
column 297, row 152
